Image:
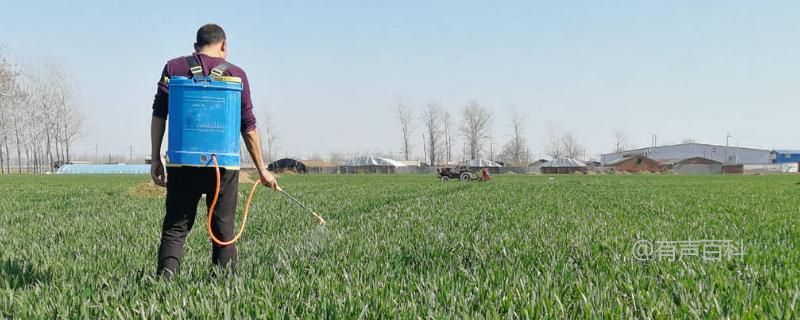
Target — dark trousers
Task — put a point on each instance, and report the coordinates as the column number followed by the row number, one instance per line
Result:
column 185, row 186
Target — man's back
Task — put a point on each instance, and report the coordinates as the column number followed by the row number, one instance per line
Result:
column 180, row 67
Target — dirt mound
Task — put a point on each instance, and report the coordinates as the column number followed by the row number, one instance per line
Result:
column 146, row 189
column 246, row 178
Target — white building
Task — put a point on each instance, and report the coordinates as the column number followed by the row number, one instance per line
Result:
column 677, row 152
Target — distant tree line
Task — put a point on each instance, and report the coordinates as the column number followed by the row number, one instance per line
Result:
column 40, row 118
column 472, row 128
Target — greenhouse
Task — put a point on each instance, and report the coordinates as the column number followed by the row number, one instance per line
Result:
column 482, row 163
column 371, row 164
column 367, row 161
column 563, row 165
column 104, row 169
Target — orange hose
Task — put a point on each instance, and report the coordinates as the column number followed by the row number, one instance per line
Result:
column 214, row 204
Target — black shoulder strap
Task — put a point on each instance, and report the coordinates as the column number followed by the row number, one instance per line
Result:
column 220, row 69
column 194, row 66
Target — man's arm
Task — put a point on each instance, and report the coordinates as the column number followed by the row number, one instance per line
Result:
column 157, row 126
column 253, row 144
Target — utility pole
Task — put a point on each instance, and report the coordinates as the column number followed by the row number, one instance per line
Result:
column 491, row 149
column 130, row 160
column 727, row 147
column 424, row 150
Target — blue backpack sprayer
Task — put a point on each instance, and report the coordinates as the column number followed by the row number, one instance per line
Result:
column 205, row 119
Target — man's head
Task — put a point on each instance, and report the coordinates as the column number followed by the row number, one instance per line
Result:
column 211, row 41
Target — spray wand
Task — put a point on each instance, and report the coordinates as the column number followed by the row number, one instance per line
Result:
column 321, row 221
column 246, row 208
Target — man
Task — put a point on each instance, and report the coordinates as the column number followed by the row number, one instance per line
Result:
column 485, row 175
column 185, row 185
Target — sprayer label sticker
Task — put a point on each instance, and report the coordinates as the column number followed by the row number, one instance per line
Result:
column 203, row 114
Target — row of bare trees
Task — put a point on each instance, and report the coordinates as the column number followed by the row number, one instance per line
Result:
column 438, row 134
column 475, row 130
column 39, row 118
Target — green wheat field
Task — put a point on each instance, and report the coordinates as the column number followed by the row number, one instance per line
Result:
column 407, row 246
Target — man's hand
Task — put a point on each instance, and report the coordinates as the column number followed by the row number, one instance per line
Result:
column 268, row 179
column 157, row 173
column 157, row 127
column 253, row 144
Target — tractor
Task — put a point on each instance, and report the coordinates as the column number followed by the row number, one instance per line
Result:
column 462, row 173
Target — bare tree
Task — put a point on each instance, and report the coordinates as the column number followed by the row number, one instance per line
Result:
column 571, row 147
column 73, row 125
column 48, row 102
column 17, row 119
column 73, row 120
column 49, row 128
column 405, row 117
column 3, row 132
column 447, row 130
column 475, row 128
column 7, row 87
column 70, row 117
column 431, row 118
column 516, row 149
column 29, row 125
column 620, row 140
column 268, row 135
column 554, row 149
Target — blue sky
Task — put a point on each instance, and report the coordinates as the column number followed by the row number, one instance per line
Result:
column 329, row 72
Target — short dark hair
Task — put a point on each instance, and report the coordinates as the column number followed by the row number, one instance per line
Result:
column 209, row 34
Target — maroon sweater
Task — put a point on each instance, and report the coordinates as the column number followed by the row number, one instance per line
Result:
column 179, row 67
